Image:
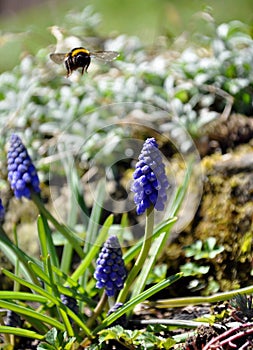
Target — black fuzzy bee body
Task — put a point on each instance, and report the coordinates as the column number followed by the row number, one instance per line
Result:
column 80, row 57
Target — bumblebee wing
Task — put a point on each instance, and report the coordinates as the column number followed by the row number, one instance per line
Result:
column 57, row 57
column 104, row 55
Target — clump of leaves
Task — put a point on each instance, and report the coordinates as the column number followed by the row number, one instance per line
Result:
column 203, row 250
column 55, row 340
column 65, row 305
column 243, row 306
column 132, row 339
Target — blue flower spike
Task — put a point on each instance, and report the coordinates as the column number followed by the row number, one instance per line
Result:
column 2, row 211
column 150, row 181
column 110, row 270
column 22, row 174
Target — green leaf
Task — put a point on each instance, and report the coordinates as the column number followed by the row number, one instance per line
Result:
column 206, row 250
column 89, row 244
column 157, row 274
column 39, row 272
column 51, row 336
column 14, row 254
column 76, row 198
column 182, row 95
column 45, row 346
column 246, row 242
column 133, row 339
column 61, row 308
column 25, row 311
column 168, row 343
column 46, row 241
column 31, row 286
column 5, row 295
column 20, row 332
column 69, row 344
column 95, row 216
column 192, row 269
column 81, row 294
column 54, row 300
column 118, row 333
column 64, row 230
column 94, row 249
column 128, row 306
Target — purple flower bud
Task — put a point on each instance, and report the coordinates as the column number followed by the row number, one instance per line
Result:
column 110, row 272
column 22, row 174
column 150, row 181
column 122, row 320
column 2, row 211
column 13, row 319
column 70, row 302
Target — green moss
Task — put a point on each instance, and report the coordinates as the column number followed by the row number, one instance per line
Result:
column 225, row 212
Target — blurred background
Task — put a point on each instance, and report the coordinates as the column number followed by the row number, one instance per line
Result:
column 24, row 24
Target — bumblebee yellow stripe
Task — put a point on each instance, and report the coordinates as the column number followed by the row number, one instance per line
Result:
column 79, row 50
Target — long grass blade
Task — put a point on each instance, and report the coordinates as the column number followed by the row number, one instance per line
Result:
column 94, row 249
column 21, row 332
column 25, row 311
column 10, row 295
column 13, row 253
column 128, row 306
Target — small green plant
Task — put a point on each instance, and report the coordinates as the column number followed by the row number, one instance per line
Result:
column 55, row 340
column 134, row 339
column 203, row 250
column 192, row 269
column 243, row 306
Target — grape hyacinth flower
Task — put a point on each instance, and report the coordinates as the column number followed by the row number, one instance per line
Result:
column 13, row 319
column 22, row 174
column 2, row 211
column 110, row 270
column 71, row 303
column 150, row 181
column 122, row 320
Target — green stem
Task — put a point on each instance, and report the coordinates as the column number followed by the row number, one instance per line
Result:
column 16, row 286
column 142, row 256
column 179, row 302
column 46, row 240
column 67, row 256
column 75, row 241
column 97, row 311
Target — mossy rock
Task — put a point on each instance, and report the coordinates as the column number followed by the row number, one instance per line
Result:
column 225, row 212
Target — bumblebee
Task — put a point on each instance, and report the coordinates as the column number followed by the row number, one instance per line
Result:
column 80, row 57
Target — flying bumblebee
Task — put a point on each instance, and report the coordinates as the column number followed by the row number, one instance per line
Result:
column 80, row 57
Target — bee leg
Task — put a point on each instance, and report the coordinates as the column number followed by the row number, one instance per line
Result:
column 69, row 71
column 87, row 66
